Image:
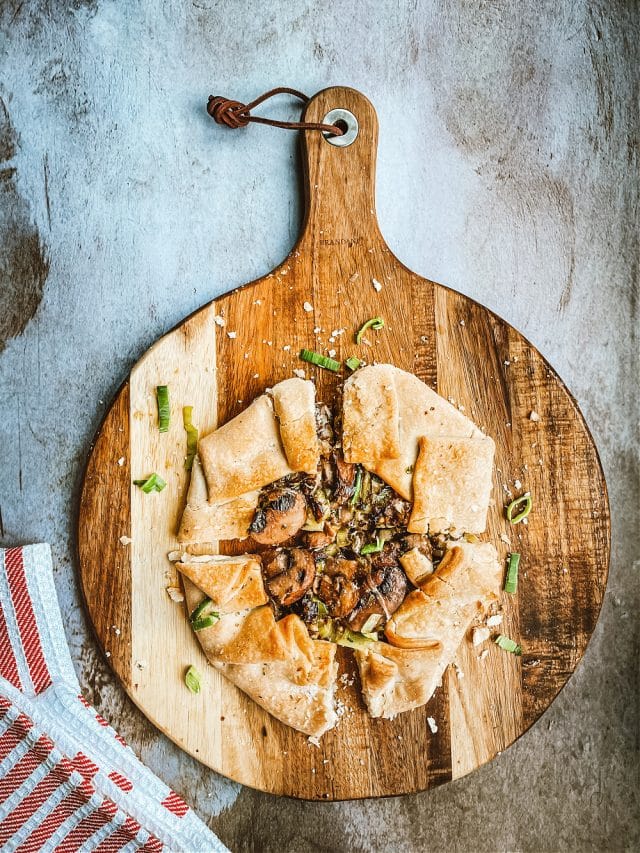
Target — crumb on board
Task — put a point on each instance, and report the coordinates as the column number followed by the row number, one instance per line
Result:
column 175, row 593
column 125, row 540
column 299, row 373
column 479, row 635
column 534, row 416
column 432, row 725
column 121, row 461
column 494, row 620
column 219, row 320
column 376, row 285
column 308, row 307
column 231, row 335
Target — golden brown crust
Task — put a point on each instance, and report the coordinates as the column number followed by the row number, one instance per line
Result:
column 452, row 484
column 232, row 583
column 294, row 401
column 244, row 454
column 426, row 630
column 205, row 521
column 276, row 663
column 370, row 422
column 421, row 412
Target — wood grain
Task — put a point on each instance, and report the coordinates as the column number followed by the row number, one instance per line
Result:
column 471, row 356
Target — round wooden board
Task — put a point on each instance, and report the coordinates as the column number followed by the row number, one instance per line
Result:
column 460, row 348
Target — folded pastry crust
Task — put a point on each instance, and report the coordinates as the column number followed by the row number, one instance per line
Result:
column 294, row 401
column 276, row 663
column 426, row 630
column 452, row 484
column 211, row 521
column 370, row 420
column 420, row 412
column 244, row 454
column 232, row 583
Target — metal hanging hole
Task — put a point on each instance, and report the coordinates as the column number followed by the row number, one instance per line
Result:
column 347, row 122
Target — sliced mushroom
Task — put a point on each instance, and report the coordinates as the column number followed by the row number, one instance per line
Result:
column 339, row 593
column 345, row 479
column 319, row 538
column 385, row 592
column 279, row 518
column 289, row 574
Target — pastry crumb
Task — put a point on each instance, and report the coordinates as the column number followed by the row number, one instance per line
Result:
column 307, row 306
column 121, row 461
column 231, row 335
column 480, row 635
column 376, row 285
column 494, row 620
column 126, row 540
column 432, row 725
column 534, row 416
column 175, row 593
column 219, row 320
column 299, row 373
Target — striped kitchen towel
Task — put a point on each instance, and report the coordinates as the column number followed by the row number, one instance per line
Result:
column 68, row 781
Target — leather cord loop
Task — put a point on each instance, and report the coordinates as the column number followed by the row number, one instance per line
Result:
column 234, row 114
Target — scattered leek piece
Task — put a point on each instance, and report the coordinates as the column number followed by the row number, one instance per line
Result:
column 154, row 483
column 511, row 583
column 357, row 488
column 508, row 645
column 202, row 616
column 319, row 359
column 207, row 621
column 516, row 515
column 373, row 547
column 353, row 363
column 374, row 323
column 198, row 611
column 164, row 409
column 192, row 679
column 192, row 437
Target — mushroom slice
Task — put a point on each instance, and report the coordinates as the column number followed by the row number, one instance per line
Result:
column 289, row 574
column 280, row 518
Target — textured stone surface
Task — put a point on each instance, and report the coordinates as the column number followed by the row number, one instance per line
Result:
column 507, row 169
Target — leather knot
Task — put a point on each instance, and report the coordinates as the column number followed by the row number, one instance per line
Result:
column 233, row 114
column 227, row 112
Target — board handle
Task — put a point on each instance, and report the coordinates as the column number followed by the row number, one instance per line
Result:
column 340, row 172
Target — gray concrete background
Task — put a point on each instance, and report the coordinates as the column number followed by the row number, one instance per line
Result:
column 507, row 169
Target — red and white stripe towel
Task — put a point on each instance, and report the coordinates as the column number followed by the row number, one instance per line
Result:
column 68, row 781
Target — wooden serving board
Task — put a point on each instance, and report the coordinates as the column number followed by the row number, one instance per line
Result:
column 460, row 348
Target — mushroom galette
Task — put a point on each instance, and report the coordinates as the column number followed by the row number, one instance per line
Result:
column 358, row 528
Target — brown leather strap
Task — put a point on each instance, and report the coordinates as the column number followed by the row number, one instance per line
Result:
column 234, row 114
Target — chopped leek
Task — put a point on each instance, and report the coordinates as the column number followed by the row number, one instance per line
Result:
column 192, row 436
column 164, row 409
column 206, row 622
column 328, row 630
column 201, row 614
column 508, row 644
column 153, row 483
column 372, row 623
column 358, row 487
column 319, row 359
column 353, row 363
column 373, row 547
column 514, row 514
column 511, row 583
column 192, row 679
column 375, row 323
